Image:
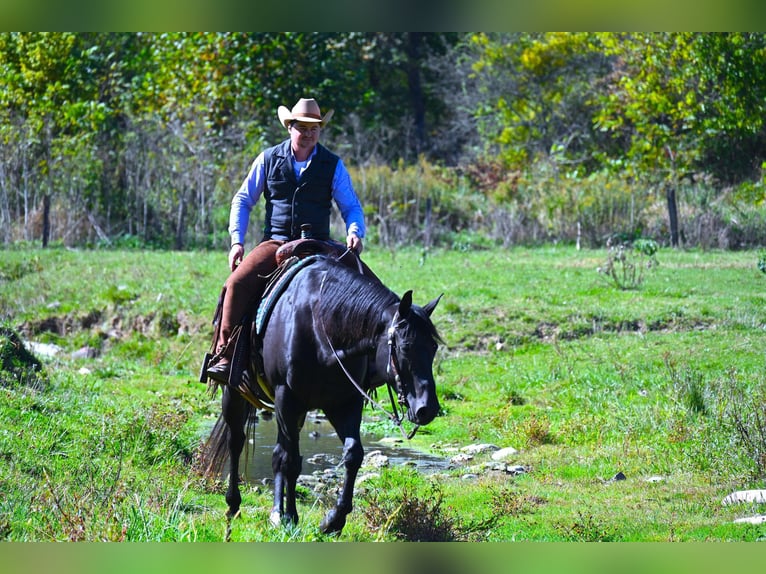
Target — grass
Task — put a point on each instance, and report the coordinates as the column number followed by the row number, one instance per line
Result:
column 663, row 383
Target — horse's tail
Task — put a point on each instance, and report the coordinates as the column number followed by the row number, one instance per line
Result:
column 214, row 452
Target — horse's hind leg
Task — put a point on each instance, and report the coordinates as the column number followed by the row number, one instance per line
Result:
column 286, row 461
column 235, row 411
column 347, row 426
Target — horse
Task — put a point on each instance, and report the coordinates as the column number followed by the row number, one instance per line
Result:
column 332, row 336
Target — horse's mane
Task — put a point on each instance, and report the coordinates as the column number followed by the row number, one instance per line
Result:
column 354, row 301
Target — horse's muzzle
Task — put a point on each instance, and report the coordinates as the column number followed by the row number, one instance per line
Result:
column 424, row 407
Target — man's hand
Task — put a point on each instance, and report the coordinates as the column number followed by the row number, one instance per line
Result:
column 353, row 241
column 236, row 253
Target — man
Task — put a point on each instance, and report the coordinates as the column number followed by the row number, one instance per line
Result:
column 298, row 179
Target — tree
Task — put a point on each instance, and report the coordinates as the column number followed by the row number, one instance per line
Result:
column 678, row 96
column 537, row 94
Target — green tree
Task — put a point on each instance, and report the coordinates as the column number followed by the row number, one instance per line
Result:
column 679, row 99
column 537, row 96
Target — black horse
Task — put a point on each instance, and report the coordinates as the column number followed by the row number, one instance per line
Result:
column 333, row 335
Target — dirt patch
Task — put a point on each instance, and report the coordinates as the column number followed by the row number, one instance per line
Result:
column 63, row 325
column 116, row 326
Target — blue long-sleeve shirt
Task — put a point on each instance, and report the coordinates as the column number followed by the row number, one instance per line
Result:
column 252, row 188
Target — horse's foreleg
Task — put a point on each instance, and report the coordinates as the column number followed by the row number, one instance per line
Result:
column 234, row 411
column 353, row 454
column 286, row 461
column 287, row 469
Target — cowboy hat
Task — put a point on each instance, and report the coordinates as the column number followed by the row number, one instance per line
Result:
column 306, row 110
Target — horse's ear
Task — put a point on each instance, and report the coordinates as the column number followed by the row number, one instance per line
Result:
column 405, row 304
column 429, row 308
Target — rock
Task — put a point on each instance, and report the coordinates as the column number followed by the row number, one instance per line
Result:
column 461, row 458
column 504, row 453
column 655, row 479
column 321, row 458
column 469, row 476
column 43, row 349
column 390, row 440
column 498, row 468
column 756, row 496
column 85, row 353
column 309, row 481
column 751, row 520
column 618, row 476
column 479, row 448
column 376, row 459
column 84, row 371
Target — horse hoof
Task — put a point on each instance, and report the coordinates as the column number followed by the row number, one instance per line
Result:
column 333, row 522
column 275, row 518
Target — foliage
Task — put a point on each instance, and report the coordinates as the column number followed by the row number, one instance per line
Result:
column 418, row 203
column 106, row 136
column 544, row 102
column 743, row 413
column 409, row 517
column 680, row 95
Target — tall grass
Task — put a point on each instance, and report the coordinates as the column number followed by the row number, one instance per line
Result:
column 485, row 204
column 585, row 380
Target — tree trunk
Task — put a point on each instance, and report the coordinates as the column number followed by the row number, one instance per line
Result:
column 414, row 55
column 673, row 215
column 46, row 219
column 179, row 243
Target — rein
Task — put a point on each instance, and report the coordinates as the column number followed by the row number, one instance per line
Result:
column 391, row 367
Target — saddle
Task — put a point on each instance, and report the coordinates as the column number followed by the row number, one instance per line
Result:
column 306, row 246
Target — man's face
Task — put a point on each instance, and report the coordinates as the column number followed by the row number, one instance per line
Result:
column 304, row 134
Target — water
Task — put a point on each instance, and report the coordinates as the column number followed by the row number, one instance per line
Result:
column 321, row 449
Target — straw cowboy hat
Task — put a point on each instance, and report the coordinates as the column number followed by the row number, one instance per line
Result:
column 306, row 110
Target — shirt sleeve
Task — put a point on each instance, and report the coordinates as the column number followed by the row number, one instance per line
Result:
column 345, row 197
column 243, row 201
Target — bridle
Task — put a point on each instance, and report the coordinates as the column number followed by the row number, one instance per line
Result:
column 394, row 381
column 392, row 370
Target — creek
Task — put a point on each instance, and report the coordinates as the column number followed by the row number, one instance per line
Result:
column 321, row 449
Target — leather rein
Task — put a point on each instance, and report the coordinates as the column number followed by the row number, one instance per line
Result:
column 392, row 372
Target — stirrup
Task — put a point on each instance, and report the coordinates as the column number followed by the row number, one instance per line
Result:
column 220, row 371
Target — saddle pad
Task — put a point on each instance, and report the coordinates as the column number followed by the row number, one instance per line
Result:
column 277, row 287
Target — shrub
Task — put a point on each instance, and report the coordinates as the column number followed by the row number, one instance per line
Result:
column 411, row 518
column 626, row 263
column 745, row 415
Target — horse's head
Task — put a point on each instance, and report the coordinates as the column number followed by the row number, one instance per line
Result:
column 412, row 344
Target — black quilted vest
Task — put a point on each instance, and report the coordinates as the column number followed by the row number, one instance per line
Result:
column 290, row 203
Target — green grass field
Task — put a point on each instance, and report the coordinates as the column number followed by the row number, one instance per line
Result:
column 665, row 383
